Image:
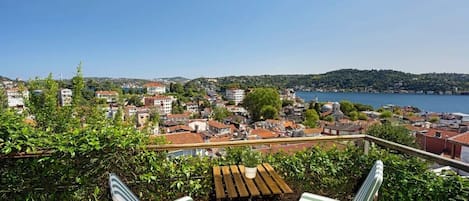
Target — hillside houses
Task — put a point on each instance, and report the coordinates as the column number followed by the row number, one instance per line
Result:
column 185, row 116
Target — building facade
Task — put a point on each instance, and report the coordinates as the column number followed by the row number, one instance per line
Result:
column 65, row 97
column 109, row 96
column 16, row 98
column 155, row 88
column 236, row 95
column 163, row 104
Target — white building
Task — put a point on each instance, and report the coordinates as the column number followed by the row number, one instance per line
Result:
column 16, row 97
column 198, row 125
column 65, row 97
column 192, row 107
column 8, row 84
column 236, row 95
column 110, row 96
column 288, row 94
column 162, row 103
column 155, row 88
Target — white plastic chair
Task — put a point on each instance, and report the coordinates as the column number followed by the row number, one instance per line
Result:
column 120, row 191
column 367, row 192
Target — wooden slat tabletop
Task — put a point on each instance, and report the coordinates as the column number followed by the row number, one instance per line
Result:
column 230, row 188
column 243, row 192
column 231, row 182
column 249, row 183
column 280, row 182
column 268, row 180
column 217, row 177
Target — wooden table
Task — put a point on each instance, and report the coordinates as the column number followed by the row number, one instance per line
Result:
column 230, row 182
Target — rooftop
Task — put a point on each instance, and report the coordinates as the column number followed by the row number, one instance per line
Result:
column 154, row 84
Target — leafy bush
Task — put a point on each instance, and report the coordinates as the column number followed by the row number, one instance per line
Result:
column 78, row 169
column 251, row 158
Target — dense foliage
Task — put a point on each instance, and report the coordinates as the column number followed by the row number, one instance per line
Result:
column 311, row 118
column 352, row 79
column 388, row 131
column 263, row 103
column 79, row 171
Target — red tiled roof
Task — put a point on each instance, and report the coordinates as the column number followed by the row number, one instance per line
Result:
column 414, row 128
column 186, row 115
column 183, row 138
column 312, row 130
column 263, row 133
column 107, row 92
column 289, row 124
column 220, row 139
column 154, row 84
column 273, row 121
column 461, row 139
column 444, row 133
column 217, row 124
column 179, row 127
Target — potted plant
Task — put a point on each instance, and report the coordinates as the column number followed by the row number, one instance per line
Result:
column 250, row 160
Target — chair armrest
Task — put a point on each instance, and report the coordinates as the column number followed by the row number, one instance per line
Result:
column 313, row 197
column 185, row 198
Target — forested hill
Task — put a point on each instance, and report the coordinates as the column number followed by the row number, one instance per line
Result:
column 353, row 80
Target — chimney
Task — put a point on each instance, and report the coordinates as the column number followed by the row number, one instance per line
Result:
column 438, row 134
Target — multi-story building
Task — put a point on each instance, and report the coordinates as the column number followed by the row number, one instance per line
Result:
column 236, row 95
column 155, row 88
column 16, row 98
column 217, row 128
column 110, row 96
column 65, row 97
column 192, row 107
column 162, row 103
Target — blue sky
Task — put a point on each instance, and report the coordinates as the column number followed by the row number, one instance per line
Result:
column 153, row 39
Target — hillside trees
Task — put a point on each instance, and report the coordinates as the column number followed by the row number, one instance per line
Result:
column 220, row 113
column 353, row 115
column 311, row 118
column 346, row 107
column 390, row 132
column 386, row 114
column 262, row 103
column 352, row 79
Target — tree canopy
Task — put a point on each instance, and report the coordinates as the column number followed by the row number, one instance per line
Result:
column 390, row 132
column 262, row 103
column 220, row 113
column 311, row 118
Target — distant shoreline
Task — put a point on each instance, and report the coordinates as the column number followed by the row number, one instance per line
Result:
column 364, row 92
column 425, row 102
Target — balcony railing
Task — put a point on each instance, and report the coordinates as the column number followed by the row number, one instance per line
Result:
column 364, row 141
column 365, row 138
